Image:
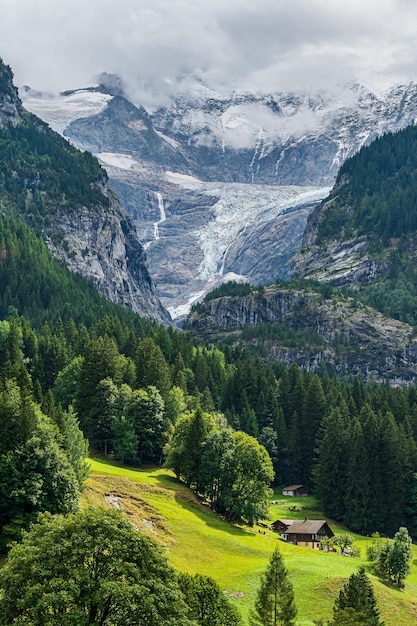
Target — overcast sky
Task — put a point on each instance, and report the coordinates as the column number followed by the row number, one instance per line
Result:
column 267, row 45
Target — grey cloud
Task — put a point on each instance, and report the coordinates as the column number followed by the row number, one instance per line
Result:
column 154, row 44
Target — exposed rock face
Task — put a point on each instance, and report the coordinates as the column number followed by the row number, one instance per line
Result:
column 102, row 245
column 341, row 263
column 99, row 242
column 10, row 105
column 220, row 138
column 354, row 339
column 263, row 252
column 293, row 138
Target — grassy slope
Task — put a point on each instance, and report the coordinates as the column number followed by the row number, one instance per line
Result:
column 196, row 540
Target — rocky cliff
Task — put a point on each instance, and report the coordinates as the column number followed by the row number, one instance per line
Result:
column 236, row 146
column 10, row 105
column 102, row 246
column 65, row 198
column 341, row 263
column 351, row 338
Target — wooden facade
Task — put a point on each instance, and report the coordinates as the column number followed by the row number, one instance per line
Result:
column 307, row 533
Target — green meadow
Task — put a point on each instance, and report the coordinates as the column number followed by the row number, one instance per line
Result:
column 197, row 540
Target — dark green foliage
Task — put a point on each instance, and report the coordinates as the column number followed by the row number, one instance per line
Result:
column 40, row 468
column 89, row 568
column 356, row 603
column 393, row 559
column 357, row 441
column 151, row 366
column 42, row 173
column 275, row 603
column 231, row 288
column 38, row 287
column 207, row 603
column 375, row 197
column 145, row 411
column 283, row 335
column 411, row 509
column 185, row 450
column 364, row 468
column 230, row 469
column 376, row 191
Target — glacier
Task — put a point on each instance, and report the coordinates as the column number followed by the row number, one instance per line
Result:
column 221, row 184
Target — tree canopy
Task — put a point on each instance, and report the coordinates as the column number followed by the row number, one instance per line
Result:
column 356, row 603
column 89, row 568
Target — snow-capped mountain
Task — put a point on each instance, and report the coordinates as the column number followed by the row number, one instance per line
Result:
column 221, row 185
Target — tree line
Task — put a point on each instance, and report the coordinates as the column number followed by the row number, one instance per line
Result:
column 133, row 384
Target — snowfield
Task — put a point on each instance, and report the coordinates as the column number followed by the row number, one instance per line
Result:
column 60, row 110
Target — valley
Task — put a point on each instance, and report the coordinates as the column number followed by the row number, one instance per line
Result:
column 308, row 381
column 196, row 540
column 239, row 173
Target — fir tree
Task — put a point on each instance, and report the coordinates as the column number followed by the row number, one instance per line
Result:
column 275, row 603
column 356, row 603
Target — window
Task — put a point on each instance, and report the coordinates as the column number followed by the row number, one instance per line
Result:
column 306, row 544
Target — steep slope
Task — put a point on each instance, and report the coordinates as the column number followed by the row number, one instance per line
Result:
column 64, row 196
column 235, row 147
column 363, row 237
column 288, row 138
column 365, row 234
column 312, row 327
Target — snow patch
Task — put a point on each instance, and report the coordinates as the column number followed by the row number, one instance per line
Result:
column 169, row 140
column 190, row 182
column 120, row 161
column 59, row 110
column 183, row 309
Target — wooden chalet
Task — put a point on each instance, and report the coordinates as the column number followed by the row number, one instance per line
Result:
column 308, row 533
column 295, row 490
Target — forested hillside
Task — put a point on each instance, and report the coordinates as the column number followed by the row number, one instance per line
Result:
column 41, row 174
column 75, row 368
column 365, row 234
column 63, row 195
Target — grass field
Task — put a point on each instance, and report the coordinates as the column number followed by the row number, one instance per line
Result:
column 196, row 540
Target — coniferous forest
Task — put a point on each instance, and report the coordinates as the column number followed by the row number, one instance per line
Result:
column 78, row 372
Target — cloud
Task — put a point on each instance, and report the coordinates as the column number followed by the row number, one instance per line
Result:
column 155, row 44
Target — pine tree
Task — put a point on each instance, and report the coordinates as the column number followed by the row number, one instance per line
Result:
column 356, row 601
column 314, row 410
column 329, row 472
column 412, row 507
column 357, row 483
column 275, row 602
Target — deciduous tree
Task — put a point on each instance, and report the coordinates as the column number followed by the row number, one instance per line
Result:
column 207, row 602
column 394, row 558
column 91, row 568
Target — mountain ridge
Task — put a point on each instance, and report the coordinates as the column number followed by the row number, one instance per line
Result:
column 63, row 195
column 220, row 141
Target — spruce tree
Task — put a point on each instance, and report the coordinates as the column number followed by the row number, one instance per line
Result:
column 275, row 603
column 356, row 601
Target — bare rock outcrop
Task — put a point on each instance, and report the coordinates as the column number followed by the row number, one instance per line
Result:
column 351, row 338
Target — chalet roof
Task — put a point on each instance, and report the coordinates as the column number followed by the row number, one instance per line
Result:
column 292, row 487
column 307, row 526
